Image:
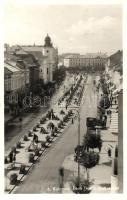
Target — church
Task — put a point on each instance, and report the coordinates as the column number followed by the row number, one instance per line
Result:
column 46, row 55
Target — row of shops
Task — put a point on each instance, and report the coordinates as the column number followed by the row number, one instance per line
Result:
column 112, row 90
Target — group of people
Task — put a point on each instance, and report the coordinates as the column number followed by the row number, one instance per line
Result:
column 51, row 115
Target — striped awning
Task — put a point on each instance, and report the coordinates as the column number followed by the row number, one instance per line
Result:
column 118, row 89
column 114, row 123
column 108, row 82
column 113, row 87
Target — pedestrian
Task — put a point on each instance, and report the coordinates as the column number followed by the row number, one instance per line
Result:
column 20, row 120
column 111, row 103
column 117, row 109
column 109, row 152
column 72, row 121
column 99, row 148
column 14, row 158
column 11, row 156
column 52, row 126
column 34, row 137
column 105, row 120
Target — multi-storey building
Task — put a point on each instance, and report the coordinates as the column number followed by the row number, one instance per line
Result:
column 95, row 61
column 24, row 61
column 15, row 79
column 29, row 62
column 114, row 69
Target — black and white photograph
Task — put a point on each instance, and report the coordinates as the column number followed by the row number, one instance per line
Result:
column 63, row 98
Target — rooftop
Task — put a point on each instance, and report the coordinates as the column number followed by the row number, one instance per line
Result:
column 32, row 48
column 36, row 51
column 86, row 56
column 11, row 68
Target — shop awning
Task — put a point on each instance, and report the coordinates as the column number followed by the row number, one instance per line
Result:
column 113, row 87
column 118, row 89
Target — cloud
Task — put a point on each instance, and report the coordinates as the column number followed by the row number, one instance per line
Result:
column 71, row 28
column 93, row 26
column 95, row 34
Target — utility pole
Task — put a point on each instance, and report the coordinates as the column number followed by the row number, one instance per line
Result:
column 61, row 178
column 79, row 146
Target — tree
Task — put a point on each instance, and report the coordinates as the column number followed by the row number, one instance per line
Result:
column 92, row 140
column 105, row 102
column 104, row 88
column 102, row 79
column 59, row 75
column 89, row 160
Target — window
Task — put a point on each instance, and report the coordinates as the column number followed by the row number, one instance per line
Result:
column 47, row 70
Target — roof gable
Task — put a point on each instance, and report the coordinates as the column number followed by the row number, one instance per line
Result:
column 11, row 68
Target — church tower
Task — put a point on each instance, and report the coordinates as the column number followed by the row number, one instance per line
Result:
column 47, row 41
column 50, row 59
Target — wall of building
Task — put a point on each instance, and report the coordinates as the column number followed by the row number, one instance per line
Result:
column 66, row 62
column 50, row 63
column 113, row 62
column 84, row 62
column 120, row 141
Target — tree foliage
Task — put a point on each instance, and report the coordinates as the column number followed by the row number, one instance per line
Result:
column 89, row 159
column 92, row 140
column 105, row 102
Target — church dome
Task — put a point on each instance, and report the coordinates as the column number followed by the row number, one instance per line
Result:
column 48, row 41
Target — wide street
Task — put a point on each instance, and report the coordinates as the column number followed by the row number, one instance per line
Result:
column 44, row 174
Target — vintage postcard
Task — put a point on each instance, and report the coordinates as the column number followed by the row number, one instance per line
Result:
column 63, row 98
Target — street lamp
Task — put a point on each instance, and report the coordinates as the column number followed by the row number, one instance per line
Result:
column 78, row 141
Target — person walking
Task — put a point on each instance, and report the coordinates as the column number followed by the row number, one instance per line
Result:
column 105, row 120
column 20, row 121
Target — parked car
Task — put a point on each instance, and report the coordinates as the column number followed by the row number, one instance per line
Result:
column 91, row 122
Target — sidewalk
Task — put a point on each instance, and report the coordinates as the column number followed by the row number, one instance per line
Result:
column 102, row 172
column 100, row 175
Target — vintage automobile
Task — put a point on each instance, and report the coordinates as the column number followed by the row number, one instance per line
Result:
column 93, row 123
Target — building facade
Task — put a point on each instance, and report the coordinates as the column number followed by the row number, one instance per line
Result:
column 115, row 62
column 15, row 80
column 85, row 61
column 28, row 62
column 114, row 68
column 120, row 141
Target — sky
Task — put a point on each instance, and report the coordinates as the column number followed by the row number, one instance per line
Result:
column 72, row 28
